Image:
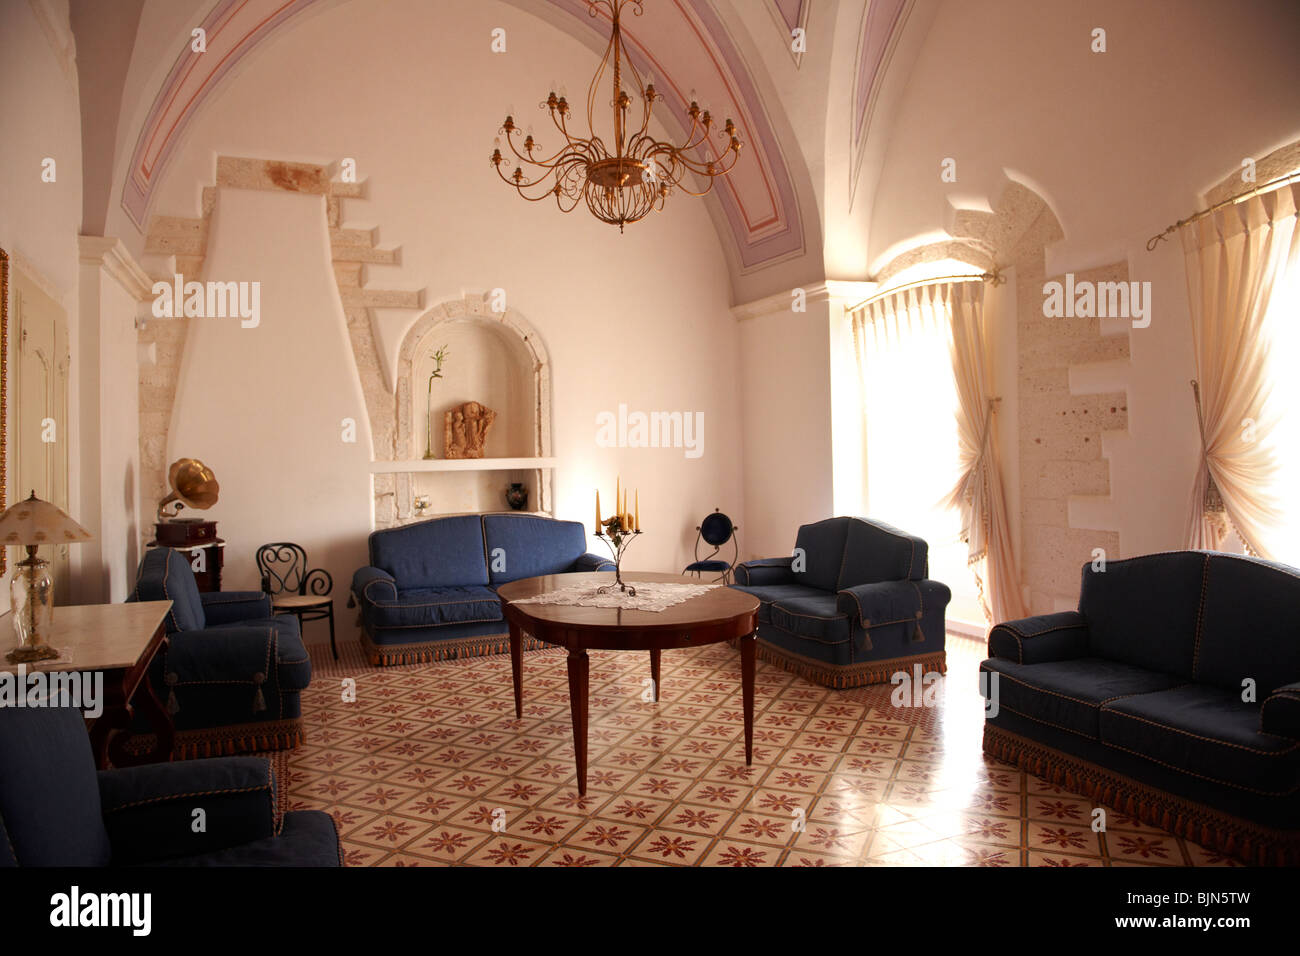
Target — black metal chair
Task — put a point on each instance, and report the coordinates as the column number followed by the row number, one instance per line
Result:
column 295, row 589
column 715, row 531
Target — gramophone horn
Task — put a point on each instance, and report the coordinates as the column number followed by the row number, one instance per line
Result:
column 193, row 484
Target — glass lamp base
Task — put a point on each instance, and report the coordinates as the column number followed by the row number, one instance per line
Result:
column 31, row 595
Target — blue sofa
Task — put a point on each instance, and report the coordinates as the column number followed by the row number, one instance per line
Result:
column 852, row 606
column 233, row 670
column 1172, row 694
column 57, row 810
column 429, row 592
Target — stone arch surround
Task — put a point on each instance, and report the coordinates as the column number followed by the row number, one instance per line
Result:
column 1061, row 429
column 392, row 491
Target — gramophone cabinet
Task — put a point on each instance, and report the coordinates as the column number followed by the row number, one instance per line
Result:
column 197, row 539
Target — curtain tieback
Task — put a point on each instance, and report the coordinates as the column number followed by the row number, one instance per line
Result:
column 1212, row 504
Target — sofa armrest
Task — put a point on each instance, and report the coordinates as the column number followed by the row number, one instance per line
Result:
column 231, row 607
column 1280, row 713
column 892, row 602
column 592, row 562
column 1046, row 637
column 765, row 571
column 374, row 586
column 150, row 811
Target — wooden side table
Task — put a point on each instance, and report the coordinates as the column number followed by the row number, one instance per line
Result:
column 119, row 641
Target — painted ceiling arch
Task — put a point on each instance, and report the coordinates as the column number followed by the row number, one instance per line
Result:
column 760, row 208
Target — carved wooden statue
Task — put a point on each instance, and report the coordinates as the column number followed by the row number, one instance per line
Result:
column 465, row 430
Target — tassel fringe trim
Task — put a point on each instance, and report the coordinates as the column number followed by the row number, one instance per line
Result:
column 1240, row 839
column 390, row 655
column 848, row 676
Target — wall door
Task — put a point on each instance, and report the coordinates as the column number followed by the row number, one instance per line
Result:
column 39, row 392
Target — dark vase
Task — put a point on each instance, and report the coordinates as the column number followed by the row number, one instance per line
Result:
column 517, row 496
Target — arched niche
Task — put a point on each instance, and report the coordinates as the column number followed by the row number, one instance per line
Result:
column 497, row 359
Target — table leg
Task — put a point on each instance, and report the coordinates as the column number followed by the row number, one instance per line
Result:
column 333, row 648
column 159, row 721
column 579, row 666
column 116, row 716
column 748, row 645
column 654, row 671
column 517, row 667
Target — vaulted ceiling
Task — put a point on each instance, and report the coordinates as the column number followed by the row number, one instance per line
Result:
column 723, row 50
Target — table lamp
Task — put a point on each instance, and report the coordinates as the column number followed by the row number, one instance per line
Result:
column 33, row 522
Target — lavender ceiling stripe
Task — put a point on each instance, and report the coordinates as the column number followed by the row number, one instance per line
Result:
column 877, row 29
column 789, row 10
column 269, row 15
column 783, row 240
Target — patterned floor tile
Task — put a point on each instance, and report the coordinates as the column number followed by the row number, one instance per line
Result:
column 429, row 767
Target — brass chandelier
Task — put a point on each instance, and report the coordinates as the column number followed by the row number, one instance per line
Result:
column 622, row 181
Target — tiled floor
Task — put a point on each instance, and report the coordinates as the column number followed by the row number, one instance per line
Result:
column 429, row 767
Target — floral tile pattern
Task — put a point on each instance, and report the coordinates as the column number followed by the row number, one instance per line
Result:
column 429, row 767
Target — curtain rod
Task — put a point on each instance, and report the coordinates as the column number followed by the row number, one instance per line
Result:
column 1240, row 197
column 995, row 277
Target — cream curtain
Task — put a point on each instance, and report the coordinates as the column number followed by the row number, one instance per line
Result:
column 1236, row 258
column 932, row 463
column 978, row 493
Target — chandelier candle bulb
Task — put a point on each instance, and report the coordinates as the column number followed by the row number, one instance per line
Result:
column 637, row 521
column 597, row 511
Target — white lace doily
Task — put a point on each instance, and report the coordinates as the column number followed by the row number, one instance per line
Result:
column 650, row 595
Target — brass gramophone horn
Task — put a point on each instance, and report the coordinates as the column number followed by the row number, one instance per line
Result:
column 192, row 484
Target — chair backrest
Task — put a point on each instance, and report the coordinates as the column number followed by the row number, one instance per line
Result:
column 844, row 552
column 875, row 551
column 49, row 790
column 440, row 552
column 1250, row 627
column 526, row 546
column 165, row 575
column 283, row 568
column 716, row 529
column 1145, row 611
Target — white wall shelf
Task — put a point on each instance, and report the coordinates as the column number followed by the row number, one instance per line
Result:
column 459, row 464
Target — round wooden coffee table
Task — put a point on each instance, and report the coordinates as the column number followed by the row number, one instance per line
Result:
column 718, row 615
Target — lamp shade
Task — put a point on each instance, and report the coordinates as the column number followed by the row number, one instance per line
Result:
column 33, row 521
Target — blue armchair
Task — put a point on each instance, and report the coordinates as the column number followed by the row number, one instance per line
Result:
column 57, row 810
column 233, row 672
column 852, row 606
column 429, row 592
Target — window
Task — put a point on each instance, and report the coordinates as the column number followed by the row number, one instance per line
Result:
column 910, row 407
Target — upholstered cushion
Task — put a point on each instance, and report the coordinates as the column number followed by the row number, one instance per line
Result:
column 49, row 791
column 441, row 552
column 1145, row 611
column 875, row 551
column 428, row 607
column 308, row 838
column 232, row 607
column 1205, row 731
column 1069, row 694
column 149, row 809
column 767, row 594
column 1044, row 637
column 765, row 572
column 816, row 618
column 165, row 575
column 1280, row 712
column 525, row 546
column 713, row 565
column 1251, row 625
column 821, row 545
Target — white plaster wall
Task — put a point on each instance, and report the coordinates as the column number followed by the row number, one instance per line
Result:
column 264, row 407
column 786, row 398
column 40, row 117
column 110, row 416
column 640, row 318
column 1120, row 144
